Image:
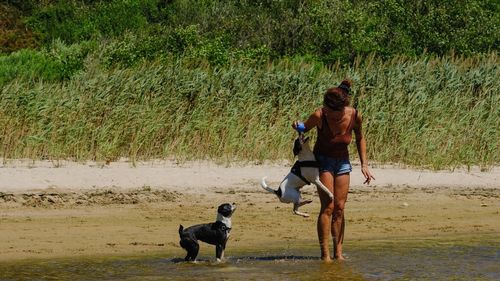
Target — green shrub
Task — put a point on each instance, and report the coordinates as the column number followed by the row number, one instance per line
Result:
column 185, row 42
column 25, row 63
column 72, row 21
column 329, row 30
column 58, row 62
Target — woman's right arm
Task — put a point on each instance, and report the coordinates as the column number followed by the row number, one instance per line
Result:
column 311, row 122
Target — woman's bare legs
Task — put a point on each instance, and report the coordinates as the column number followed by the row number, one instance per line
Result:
column 325, row 216
column 340, row 191
column 331, row 215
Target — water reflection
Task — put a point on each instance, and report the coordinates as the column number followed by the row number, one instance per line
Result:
column 399, row 260
column 271, row 267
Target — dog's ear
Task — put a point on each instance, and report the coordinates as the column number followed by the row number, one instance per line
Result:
column 297, row 147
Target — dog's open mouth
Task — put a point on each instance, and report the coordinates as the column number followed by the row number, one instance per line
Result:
column 233, row 208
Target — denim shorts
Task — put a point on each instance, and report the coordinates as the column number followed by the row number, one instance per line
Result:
column 335, row 166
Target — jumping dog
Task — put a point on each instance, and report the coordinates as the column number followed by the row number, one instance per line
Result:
column 305, row 171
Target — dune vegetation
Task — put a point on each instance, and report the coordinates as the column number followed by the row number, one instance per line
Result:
column 223, row 80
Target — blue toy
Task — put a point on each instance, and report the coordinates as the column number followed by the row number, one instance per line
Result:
column 300, row 127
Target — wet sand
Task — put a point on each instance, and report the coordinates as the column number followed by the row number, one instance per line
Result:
column 84, row 210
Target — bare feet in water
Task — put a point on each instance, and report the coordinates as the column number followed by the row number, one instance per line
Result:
column 340, row 257
column 326, row 259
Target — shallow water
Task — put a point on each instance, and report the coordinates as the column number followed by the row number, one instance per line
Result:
column 375, row 260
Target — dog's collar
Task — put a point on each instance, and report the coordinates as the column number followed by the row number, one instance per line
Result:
column 222, row 225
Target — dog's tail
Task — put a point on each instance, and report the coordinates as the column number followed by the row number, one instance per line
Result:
column 266, row 187
column 181, row 229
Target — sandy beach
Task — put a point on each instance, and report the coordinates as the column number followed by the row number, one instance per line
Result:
column 64, row 209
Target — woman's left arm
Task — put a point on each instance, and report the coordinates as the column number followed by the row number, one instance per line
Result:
column 361, row 145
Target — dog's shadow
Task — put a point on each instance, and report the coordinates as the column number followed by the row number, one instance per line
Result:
column 198, row 261
column 279, row 258
column 247, row 258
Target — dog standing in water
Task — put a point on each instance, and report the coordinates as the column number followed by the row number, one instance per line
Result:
column 304, row 171
column 215, row 233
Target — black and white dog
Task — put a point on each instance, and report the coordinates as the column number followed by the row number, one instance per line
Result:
column 215, row 233
column 303, row 172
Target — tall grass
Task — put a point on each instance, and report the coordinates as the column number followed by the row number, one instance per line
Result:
column 438, row 112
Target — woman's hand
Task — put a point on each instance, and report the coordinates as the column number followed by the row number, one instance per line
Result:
column 367, row 174
column 295, row 124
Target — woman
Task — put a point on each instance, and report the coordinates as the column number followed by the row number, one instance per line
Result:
column 335, row 122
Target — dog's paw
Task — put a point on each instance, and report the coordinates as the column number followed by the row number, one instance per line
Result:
column 305, row 215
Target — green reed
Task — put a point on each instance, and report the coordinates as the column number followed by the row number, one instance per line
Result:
column 437, row 112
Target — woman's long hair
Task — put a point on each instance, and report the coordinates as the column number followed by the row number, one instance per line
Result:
column 337, row 98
